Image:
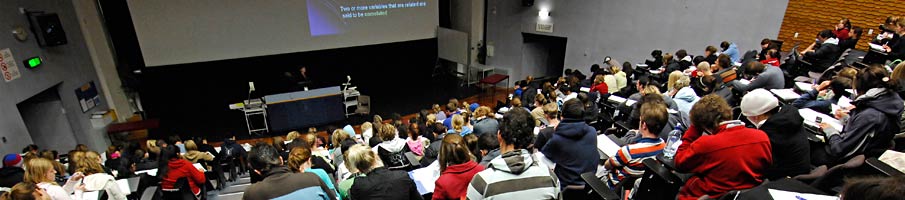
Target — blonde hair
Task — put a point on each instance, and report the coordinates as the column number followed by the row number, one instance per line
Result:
column 678, row 80
column 362, row 159
column 386, row 132
column 338, row 136
column 616, row 69
column 457, row 123
column 704, row 66
column 311, row 139
column 650, row 89
column 91, row 164
column 598, row 79
column 366, row 126
column 292, row 135
column 431, row 119
column 36, row 171
column 483, row 111
column 190, row 145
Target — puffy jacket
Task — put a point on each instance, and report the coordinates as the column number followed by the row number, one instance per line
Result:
column 106, row 182
column 732, row 158
column 486, row 125
column 871, row 127
column 279, row 182
column 453, row 182
column 824, row 56
column 685, row 98
column 196, row 156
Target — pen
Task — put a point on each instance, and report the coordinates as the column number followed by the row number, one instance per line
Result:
column 800, row 198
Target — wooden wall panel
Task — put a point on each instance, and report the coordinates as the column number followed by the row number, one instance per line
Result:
column 807, row 17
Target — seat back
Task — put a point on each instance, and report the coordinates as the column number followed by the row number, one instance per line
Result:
column 149, row 192
column 658, row 182
column 575, row 192
column 182, row 192
column 599, row 189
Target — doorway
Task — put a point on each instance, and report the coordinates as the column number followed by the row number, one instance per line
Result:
column 46, row 121
column 543, row 55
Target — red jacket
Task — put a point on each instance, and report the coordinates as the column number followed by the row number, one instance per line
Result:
column 772, row 62
column 453, row 182
column 602, row 88
column 732, row 158
column 841, row 34
column 179, row 168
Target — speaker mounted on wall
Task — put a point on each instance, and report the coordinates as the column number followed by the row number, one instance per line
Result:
column 527, row 3
column 47, row 28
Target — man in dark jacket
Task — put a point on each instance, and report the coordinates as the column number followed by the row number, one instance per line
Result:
column 573, row 146
column 12, row 172
column 823, row 53
column 783, row 125
column 279, row 181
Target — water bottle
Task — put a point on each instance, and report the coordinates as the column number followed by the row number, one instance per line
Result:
column 673, row 142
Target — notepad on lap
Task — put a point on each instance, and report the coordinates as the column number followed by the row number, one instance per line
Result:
column 607, row 146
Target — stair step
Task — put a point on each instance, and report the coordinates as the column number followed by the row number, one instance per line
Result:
column 230, row 196
column 235, row 188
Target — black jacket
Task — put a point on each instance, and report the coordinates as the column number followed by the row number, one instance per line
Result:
column 382, row 183
column 823, row 57
column 9, row 176
column 791, row 151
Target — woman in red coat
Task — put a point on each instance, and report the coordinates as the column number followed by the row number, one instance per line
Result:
column 457, row 167
column 177, row 168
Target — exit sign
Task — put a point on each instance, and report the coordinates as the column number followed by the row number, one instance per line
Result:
column 33, row 62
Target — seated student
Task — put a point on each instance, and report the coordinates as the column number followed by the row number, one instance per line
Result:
column 823, row 53
column 703, row 69
column 647, row 90
column 457, row 168
column 657, row 60
column 551, row 113
column 12, row 171
column 599, row 85
column 869, row 126
column 25, row 191
column 724, row 69
column 783, row 125
column 620, row 75
column 319, row 158
column 177, row 168
column 842, row 29
column 673, row 118
column 515, row 174
column 646, row 86
column 279, row 181
column 378, row 182
column 896, row 49
column 573, row 146
column 432, row 152
column 669, row 64
column 460, row 126
column 765, row 45
column 485, row 122
column 771, row 58
column 681, row 92
column 683, row 59
column 710, row 54
column 731, row 50
column 489, row 148
column 823, row 96
column 96, row 179
column 722, row 153
column 627, row 162
column 300, row 162
column 392, row 149
column 346, row 179
column 854, row 37
column 764, row 77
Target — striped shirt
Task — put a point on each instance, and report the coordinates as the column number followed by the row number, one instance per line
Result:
column 514, row 175
column 627, row 162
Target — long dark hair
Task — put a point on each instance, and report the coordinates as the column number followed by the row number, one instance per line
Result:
column 167, row 154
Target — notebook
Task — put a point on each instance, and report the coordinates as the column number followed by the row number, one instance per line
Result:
column 607, row 146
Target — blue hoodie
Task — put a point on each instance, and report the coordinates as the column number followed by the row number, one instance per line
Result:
column 573, row 148
column 733, row 54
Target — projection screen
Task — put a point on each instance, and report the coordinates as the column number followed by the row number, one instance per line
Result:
column 179, row 31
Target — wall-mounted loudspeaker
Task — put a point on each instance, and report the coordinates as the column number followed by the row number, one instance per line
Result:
column 47, row 28
column 527, row 3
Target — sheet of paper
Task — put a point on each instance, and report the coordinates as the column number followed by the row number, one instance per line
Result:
column 894, row 159
column 810, row 117
column 607, row 146
column 844, row 102
column 426, row 177
column 615, row 99
column 152, row 172
column 744, row 81
column 785, row 94
column 124, row 186
column 780, row 194
column 804, row 86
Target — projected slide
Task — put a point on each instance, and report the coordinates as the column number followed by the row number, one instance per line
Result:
column 179, row 31
column 328, row 17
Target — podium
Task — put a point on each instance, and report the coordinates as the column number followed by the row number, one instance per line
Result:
column 301, row 109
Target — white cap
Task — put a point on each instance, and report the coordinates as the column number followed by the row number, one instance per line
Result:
column 758, row 102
